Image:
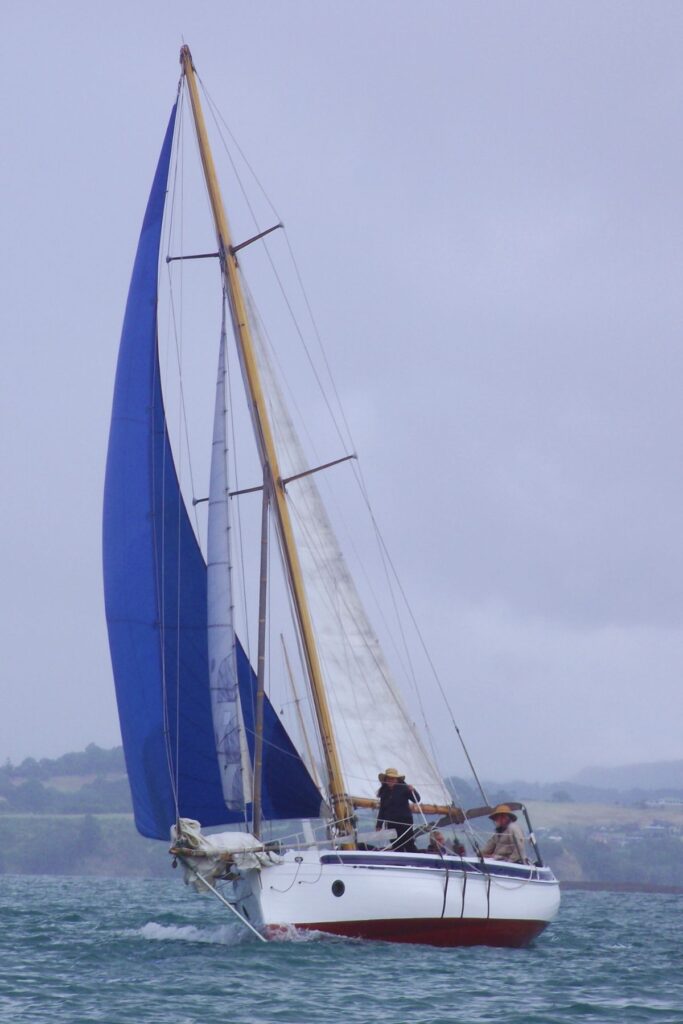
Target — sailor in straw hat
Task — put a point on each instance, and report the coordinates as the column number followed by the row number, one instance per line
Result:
column 507, row 842
column 394, row 808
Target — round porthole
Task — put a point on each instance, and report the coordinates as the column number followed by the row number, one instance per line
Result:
column 338, row 888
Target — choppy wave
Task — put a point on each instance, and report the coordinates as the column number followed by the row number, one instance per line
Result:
column 124, row 951
column 228, row 934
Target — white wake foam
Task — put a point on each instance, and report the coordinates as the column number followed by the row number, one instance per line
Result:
column 290, row 933
column 225, row 935
column 228, row 934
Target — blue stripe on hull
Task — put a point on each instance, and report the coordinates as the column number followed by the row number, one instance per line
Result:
column 427, row 861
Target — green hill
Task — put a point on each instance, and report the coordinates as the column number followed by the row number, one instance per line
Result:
column 91, row 781
column 72, row 815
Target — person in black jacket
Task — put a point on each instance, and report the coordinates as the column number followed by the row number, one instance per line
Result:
column 394, row 808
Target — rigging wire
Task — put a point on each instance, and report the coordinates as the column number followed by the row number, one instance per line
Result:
column 334, row 596
column 183, row 419
column 182, row 229
column 173, row 763
column 237, row 487
column 268, row 350
column 381, row 546
column 425, row 650
column 320, row 764
column 357, row 469
column 218, row 119
column 272, row 354
column 387, row 560
column 308, row 493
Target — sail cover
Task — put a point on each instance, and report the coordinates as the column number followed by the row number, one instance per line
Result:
column 155, row 583
column 373, row 728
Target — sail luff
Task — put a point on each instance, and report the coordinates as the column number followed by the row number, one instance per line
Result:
column 264, row 438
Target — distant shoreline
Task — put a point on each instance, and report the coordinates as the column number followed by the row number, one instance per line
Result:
column 675, row 890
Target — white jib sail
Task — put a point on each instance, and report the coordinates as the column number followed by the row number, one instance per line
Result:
column 373, row 728
column 228, row 724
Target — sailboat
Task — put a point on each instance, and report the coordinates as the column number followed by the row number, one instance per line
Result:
column 209, row 759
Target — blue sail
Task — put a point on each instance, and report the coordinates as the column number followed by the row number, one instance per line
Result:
column 155, row 594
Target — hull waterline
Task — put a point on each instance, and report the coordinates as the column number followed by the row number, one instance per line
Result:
column 426, row 931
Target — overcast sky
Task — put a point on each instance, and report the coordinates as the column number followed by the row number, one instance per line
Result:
column 486, row 205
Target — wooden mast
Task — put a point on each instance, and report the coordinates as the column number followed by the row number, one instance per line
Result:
column 342, row 807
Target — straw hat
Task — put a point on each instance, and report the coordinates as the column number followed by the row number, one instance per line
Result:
column 502, row 809
column 391, row 773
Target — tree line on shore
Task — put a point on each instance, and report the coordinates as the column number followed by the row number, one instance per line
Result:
column 73, row 815
column 98, row 777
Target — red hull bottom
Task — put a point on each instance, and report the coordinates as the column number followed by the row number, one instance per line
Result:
column 430, row 931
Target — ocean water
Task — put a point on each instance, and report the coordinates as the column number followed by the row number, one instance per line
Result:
column 122, row 950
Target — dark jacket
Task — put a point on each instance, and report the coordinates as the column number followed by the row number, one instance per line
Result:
column 394, row 804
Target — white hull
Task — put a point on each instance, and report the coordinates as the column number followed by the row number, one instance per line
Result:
column 400, row 897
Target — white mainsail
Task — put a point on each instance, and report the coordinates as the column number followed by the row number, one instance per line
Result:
column 373, row 729
column 228, row 724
